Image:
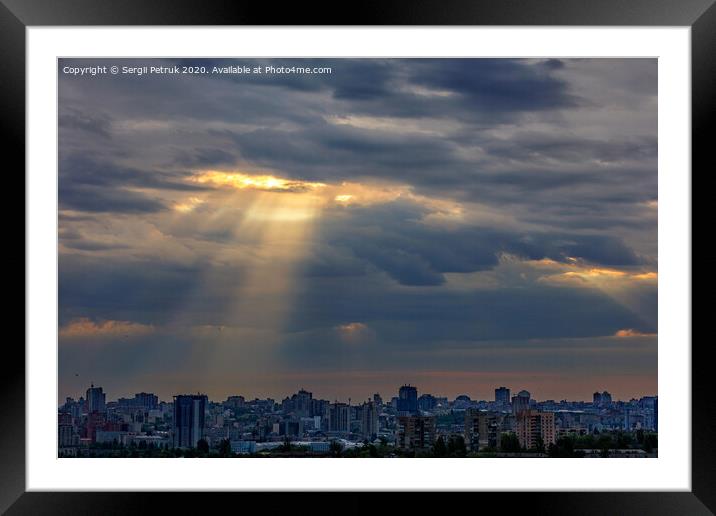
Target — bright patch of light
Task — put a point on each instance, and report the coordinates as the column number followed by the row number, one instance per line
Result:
column 630, row 332
column 243, row 181
column 189, row 205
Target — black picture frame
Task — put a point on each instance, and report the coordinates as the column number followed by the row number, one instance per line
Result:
column 700, row 15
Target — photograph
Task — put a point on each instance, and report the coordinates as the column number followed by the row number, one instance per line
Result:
column 357, row 257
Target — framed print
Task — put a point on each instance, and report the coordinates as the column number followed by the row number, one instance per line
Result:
column 440, row 249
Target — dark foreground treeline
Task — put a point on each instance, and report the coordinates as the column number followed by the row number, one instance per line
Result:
column 605, row 443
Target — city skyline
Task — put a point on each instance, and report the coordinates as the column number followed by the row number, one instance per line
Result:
column 407, row 423
column 457, row 224
column 385, row 395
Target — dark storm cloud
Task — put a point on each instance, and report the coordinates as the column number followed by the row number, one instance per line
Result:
column 91, row 245
column 488, row 85
column 496, row 85
column 314, row 151
column 533, row 164
column 333, row 260
column 189, row 98
column 142, row 290
column 93, row 123
column 551, row 147
column 553, row 64
column 102, row 200
column 393, row 239
column 411, row 319
column 82, row 170
column 538, row 170
column 480, row 90
column 88, row 184
column 204, row 157
column 465, row 161
column 474, row 90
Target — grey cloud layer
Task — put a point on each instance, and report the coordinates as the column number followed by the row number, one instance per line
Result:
column 280, row 122
column 394, row 239
column 565, row 150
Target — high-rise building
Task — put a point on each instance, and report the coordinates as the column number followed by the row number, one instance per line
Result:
column 141, row 400
column 606, row 399
column 427, row 402
column 533, row 425
column 302, row 403
column 289, row 427
column 377, row 399
column 601, row 399
column 597, row 399
column 65, row 435
column 407, row 400
column 320, row 408
column 627, row 418
column 189, row 416
column 65, row 429
column 95, row 399
column 95, row 421
column 339, row 417
column 64, row 418
column 369, row 420
column 235, row 402
column 521, row 402
column 502, row 395
column 415, row 432
column 483, row 429
column 146, row 400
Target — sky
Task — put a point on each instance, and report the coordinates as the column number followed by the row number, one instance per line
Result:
column 455, row 224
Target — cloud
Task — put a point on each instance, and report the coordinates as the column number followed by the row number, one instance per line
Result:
column 83, row 327
column 204, row 157
column 355, row 333
column 90, row 123
column 92, row 245
column 423, row 317
column 95, row 185
column 576, row 273
column 395, row 238
column 459, row 212
column 189, row 205
column 631, row 332
column 140, row 289
column 498, row 85
column 118, row 200
column 264, row 182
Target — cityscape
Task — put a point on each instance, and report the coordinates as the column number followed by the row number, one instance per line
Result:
column 404, row 425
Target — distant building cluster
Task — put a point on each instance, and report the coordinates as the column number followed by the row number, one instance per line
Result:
column 407, row 423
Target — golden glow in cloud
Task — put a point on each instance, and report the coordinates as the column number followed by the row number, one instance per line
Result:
column 85, row 327
column 189, row 204
column 646, row 276
column 625, row 287
column 576, row 272
column 345, row 193
column 352, row 327
column 363, row 194
column 242, row 181
column 631, row 332
column 354, row 332
column 293, row 200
